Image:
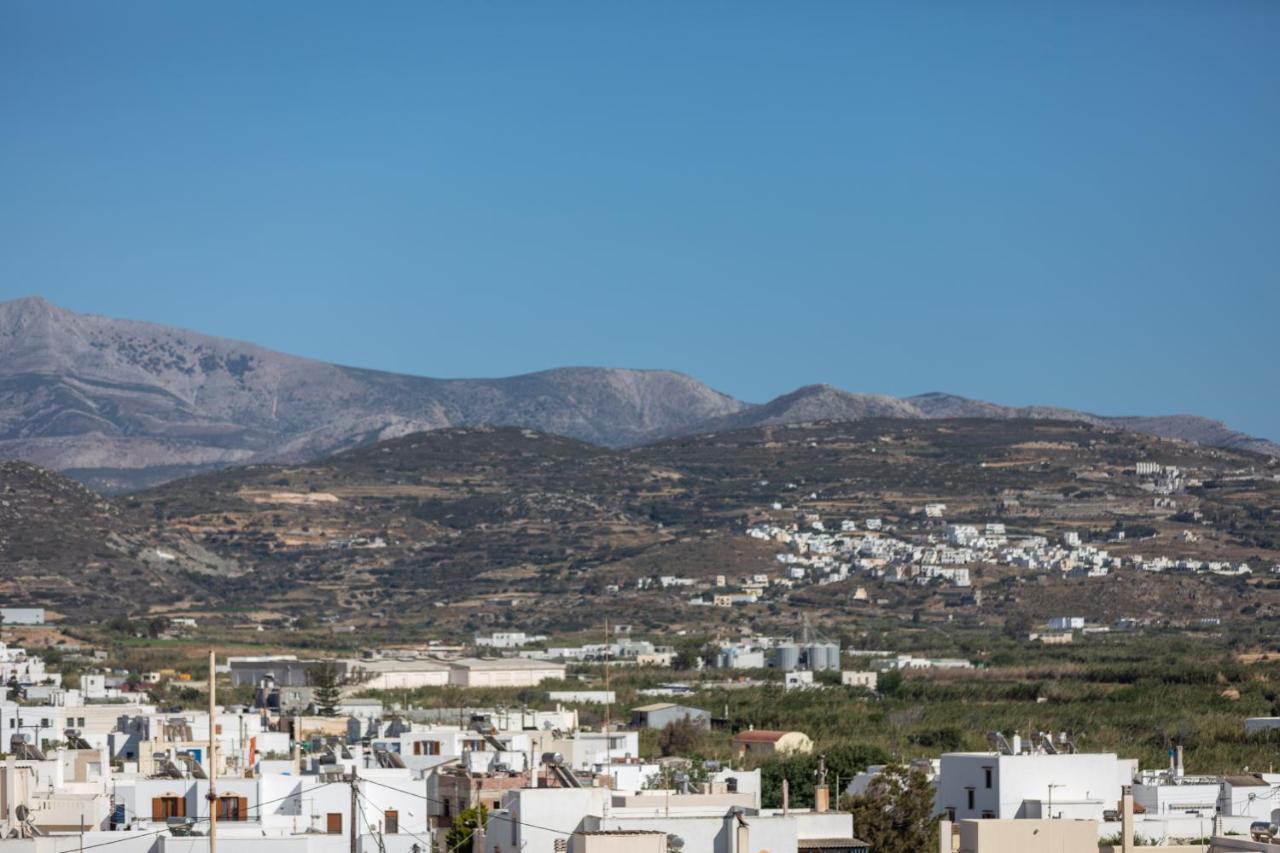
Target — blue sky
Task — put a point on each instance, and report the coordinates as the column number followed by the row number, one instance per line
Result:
column 1071, row 203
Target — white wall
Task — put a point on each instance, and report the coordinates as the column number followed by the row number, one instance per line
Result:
column 547, row 814
column 1084, row 784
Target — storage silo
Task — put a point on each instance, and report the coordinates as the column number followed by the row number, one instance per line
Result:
column 822, row 656
column 786, row 657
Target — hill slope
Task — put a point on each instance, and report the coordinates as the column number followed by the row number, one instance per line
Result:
column 66, row 548
column 480, row 519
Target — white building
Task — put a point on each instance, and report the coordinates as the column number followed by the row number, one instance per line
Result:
column 853, row 678
column 507, row 640
column 22, row 615
column 1031, row 785
column 503, row 672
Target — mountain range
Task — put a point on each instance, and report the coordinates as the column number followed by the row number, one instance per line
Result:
column 122, row 404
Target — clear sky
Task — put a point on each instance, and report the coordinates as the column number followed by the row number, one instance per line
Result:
column 1074, row 203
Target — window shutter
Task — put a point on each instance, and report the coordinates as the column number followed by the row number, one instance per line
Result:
column 244, row 809
column 157, row 808
column 182, row 806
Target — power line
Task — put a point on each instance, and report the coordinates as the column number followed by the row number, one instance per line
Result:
column 382, row 812
column 507, row 818
column 132, row 835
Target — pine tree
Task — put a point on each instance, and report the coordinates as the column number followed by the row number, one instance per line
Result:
column 326, row 693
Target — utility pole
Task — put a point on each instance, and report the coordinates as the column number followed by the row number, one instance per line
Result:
column 213, row 756
column 608, row 733
column 355, row 790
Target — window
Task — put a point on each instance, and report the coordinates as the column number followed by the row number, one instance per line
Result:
column 163, row 808
column 393, row 821
column 426, row 747
column 969, row 794
column 988, row 815
column 986, row 772
column 951, row 813
column 333, row 823
column 231, row 807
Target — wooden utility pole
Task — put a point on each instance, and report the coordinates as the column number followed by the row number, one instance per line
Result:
column 355, row 791
column 213, row 755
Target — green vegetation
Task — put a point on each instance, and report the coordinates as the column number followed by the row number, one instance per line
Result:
column 462, row 833
column 326, row 693
column 895, row 813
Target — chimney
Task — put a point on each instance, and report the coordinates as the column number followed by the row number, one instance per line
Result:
column 742, row 834
column 821, row 799
column 1126, row 820
column 786, row 796
column 944, row 836
column 1178, row 769
column 1017, row 744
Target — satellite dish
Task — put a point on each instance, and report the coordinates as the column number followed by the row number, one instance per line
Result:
column 21, row 812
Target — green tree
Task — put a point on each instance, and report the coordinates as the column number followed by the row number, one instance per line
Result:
column 679, row 737
column 326, row 693
column 889, row 683
column 895, row 813
column 1018, row 623
column 844, row 760
column 464, row 827
column 691, row 651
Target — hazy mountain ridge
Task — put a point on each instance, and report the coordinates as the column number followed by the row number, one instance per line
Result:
column 814, row 403
column 124, row 404
column 1193, row 428
column 87, row 393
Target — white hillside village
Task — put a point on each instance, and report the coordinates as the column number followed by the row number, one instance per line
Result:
column 822, row 551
